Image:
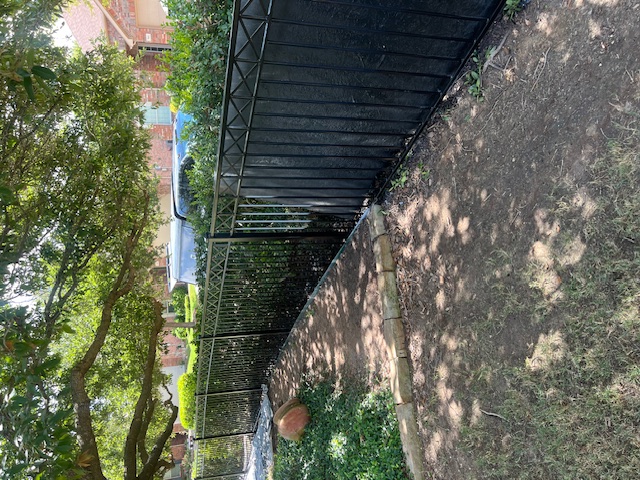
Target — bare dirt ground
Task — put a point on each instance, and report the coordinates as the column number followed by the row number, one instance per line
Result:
column 477, row 206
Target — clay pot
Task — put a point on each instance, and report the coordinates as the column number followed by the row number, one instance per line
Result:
column 291, row 418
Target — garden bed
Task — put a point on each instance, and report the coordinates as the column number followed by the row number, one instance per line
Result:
column 353, row 434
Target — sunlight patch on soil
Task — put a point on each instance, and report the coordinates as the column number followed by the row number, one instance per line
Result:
column 464, row 230
column 583, row 201
column 572, row 252
column 549, row 350
column 544, row 276
column 606, row 3
column 545, row 227
column 441, row 300
column 545, row 23
column 437, row 213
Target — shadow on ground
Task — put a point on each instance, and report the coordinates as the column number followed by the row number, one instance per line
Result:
column 340, row 335
column 482, row 247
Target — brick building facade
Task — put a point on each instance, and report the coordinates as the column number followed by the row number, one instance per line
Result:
column 138, row 27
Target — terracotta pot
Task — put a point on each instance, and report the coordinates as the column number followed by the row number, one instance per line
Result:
column 291, row 418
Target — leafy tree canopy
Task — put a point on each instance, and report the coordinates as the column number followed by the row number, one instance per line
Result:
column 79, row 376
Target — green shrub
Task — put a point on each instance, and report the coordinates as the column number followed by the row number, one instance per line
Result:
column 187, row 399
column 352, row 435
column 193, row 297
column 178, row 295
column 196, row 65
column 187, row 308
column 181, row 333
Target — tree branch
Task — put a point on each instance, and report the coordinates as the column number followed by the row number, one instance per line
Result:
column 153, row 465
column 142, row 436
column 138, row 420
column 122, row 285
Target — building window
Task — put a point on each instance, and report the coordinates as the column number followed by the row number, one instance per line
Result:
column 156, row 115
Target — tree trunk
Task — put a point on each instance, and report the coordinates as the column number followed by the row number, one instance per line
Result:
column 122, row 285
column 81, row 400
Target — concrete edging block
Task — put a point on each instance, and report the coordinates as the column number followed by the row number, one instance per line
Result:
column 400, row 380
column 395, row 338
column 411, row 444
column 400, row 372
column 382, row 254
column 376, row 222
column 388, row 289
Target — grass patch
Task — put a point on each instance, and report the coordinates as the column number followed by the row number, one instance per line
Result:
column 572, row 410
column 353, row 435
column 191, row 307
column 193, row 301
column 192, row 355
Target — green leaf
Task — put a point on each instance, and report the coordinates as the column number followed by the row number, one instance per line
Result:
column 475, row 75
column 63, row 448
column 17, row 402
column 43, row 72
column 23, row 73
column 66, row 328
column 44, row 85
column 28, row 86
column 21, row 348
column 48, row 364
column 59, row 416
column 30, row 56
column 17, row 468
column 6, row 195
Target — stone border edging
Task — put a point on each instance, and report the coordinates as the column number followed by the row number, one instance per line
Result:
column 400, row 374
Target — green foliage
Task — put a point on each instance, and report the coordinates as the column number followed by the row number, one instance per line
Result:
column 27, row 56
column 193, row 299
column 353, row 435
column 74, row 182
column 187, row 396
column 122, row 357
column 181, row 333
column 473, row 78
column 187, row 308
column 512, row 7
column 400, row 179
column 27, row 393
column 192, row 345
column 424, row 171
column 90, row 178
column 197, row 67
column 178, row 300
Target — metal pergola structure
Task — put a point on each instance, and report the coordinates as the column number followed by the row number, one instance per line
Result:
column 321, row 97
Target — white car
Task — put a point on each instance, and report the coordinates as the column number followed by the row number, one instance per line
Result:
column 181, row 258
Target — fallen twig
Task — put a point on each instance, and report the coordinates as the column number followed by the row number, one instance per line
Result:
column 494, row 53
column 490, row 113
column 541, row 64
column 491, row 414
